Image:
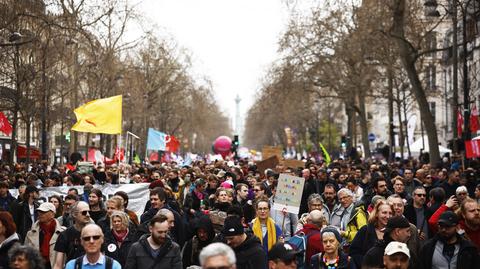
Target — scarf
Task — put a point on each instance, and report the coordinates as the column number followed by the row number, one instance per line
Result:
column 199, row 195
column 271, row 231
column 120, row 236
column 47, row 229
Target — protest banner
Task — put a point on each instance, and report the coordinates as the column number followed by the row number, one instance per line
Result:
column 269, row 151
column 138, row 194
column 289, row 193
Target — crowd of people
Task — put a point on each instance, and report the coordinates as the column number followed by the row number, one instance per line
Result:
column 353, row 214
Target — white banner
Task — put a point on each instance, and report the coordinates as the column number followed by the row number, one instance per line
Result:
column 289, row 193
column 138, row 194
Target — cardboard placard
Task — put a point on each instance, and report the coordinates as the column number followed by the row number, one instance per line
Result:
column 268, row 163
column 289, row 193
column 269, row 151
column 293, row 163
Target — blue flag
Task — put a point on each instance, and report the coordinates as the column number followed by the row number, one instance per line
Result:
column 156, row 140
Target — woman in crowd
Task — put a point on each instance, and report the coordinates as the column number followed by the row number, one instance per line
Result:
column 222, row 201
column 333, row 257
column 204, row 235
column 8, row 238
column 263, row 226
column 112, row 204
column 57, row 201
column 119, row 238
column 370, row 233
column 25, row 257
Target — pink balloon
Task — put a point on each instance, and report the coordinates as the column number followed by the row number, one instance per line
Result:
column 222, row 145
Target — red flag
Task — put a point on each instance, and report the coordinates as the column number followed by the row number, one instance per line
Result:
column 172, row 143
column 472, row 148
column 119, row 154
column 459, row 123
column 5, row 126
column 474, row 120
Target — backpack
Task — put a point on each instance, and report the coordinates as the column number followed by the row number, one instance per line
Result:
column 108, row 262
column 299, row 242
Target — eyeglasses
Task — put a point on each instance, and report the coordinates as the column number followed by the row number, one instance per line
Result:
column 85, row 212
column 421, row 194
column 262, row 208
column 462, row 193
column 89, row 238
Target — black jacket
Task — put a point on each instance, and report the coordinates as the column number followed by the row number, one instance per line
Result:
column 411, row 216
column 467, row 258
column 178, row 231
column 250, row 254
column 113, row 250
column 140, row 256
column 6, row 246
column 374, row 257
column 363, row 241
column 192, row 248
column 343, row 262
column 22, row 218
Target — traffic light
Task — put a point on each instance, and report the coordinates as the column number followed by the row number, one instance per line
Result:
column 235, row 145
column 344, row 141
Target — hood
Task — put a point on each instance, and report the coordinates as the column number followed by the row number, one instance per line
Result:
column 11, row 239
column 205, row 223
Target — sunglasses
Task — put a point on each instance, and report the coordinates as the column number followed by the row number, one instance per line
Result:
column 89, row 238
column 420, row 195
column 85, row 212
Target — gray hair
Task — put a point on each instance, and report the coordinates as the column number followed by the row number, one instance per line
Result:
column 217, row 249
column 314, row 197
column 74, row 207
column 345, row 191
column 33, row 256
column 164, row 212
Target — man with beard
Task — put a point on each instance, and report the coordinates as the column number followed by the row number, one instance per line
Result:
column 176, row 184
column 95, row 202
column 155, row 251
column 379, row 187
column 396, row 256
column 470, row 221
column 447, row 249
column 330, row 202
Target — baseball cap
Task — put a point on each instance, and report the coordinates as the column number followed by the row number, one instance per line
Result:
column 448, row 218
column 396, row 222
column 232, row 226
column 45, row 207
column 397, row 247
column 282, row 251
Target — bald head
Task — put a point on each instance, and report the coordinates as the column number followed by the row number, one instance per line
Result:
column 92, row 228
column 170, row 217
column 316, row 218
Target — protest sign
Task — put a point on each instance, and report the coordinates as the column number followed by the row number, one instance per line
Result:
column 269, row 151
column 293, row 163
column 268, row 163
column 289, row 193
column 138, row 194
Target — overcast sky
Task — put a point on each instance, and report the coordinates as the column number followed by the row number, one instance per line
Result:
column 233, row 42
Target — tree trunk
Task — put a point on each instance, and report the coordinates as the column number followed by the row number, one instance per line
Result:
column 364, row 125
column 408, row 56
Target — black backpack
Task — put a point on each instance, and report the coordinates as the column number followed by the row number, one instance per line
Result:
column 108, row 262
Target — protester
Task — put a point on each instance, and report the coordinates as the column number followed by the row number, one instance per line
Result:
column 57, row 201
column 287, row 221
column 242, row 199
column 92, row 240
column 447, row 249
column 119, row 238
column 95, row 201
column 44, row 233
column 332, row 256
column 8, row 237
column 418, row 213
column 112, row 204
column 353, row 216
column 25, row 257
column 155, row 251
column 264, row 227
column 204, row 235
column 68, row 245
column 24, row 214
column 315, row 202
column 396, row 256
column 66, row 219
column 133, row 216
column 282, row 256
column 311, row 232
column 247, row 247
column 6, row 199
column 217, row 255
column 398, row 209
column 370, row 233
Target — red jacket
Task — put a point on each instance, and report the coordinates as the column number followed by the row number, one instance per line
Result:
column 314, row 244
column 473, row 235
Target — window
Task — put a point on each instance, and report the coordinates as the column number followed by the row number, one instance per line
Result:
column 433, row 110
column 431, row 77
column 431, row 43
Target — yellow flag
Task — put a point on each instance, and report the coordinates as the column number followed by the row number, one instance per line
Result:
column 100, row 116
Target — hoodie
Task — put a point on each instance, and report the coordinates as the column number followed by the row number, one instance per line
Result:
column 192, row 248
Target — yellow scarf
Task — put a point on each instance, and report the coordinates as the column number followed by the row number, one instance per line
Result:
column 271, row 231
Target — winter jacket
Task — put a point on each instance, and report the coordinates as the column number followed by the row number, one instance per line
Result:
column 357, row 219
column 343, row 263
column 33, row 238
column 116, row 251
column 411, row 216
column 140, row 256
column 21, row 216
column 314, row 243
column 467, row 258
column 5, row 202
column 374, row 257
column 192, row 248
column 5, row 246
column 363, row 241
column 250, row 254
column 178, row 231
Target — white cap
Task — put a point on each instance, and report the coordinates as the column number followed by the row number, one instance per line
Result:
column 397, row 247
column 45, row 207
